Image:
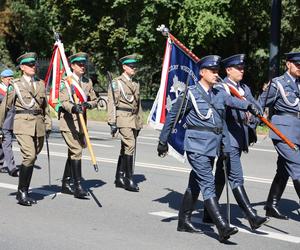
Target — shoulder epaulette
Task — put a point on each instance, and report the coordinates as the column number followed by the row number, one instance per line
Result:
column 218, row 85
column 10, row 88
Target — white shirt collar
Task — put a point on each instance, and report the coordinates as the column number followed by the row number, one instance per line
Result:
column 127, row 76
column 205, row 88
column 233, row 82
column 293, row 78
column 28, row 78
column 76, row 77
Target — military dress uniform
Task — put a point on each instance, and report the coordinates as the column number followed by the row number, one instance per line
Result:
column 238, row 123
column 32, row 120
column 7, row 128
column 125, row 113
column 283, row 96
column 202, row 143
column 70, row 127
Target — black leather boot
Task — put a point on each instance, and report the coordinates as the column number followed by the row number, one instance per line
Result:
column 79, row 192
column 242, row 199
column 120, row 174
column 24, row 182
column 219, row 185
column 297, row 186
column 185, row 213
column 66, row 187
column 224, row 229
column 276, row 190
column 129, row 184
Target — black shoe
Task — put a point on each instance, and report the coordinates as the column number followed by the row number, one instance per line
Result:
column 224, row 229
column 13, row 172
column 23, row 198
column 129, row 183
column 4, row 170
column 120, row 173
column 185, row 213
column 66, row 187
column 273, row 211
column 79, row 192
column 275, row 193
column 242, row 199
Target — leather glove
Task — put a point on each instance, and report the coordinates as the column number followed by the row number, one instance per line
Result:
column 86, row 105
column 1, row 135
column 224, row 156
column 162, row 149
column 113, row 129
column 76, row 109
column 254, row 110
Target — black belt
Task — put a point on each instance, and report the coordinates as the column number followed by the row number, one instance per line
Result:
column 31, row 112
column 294, row 114
column 126, row 110
column 209, row 129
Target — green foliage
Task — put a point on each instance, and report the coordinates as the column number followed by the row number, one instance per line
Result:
column 110, row 29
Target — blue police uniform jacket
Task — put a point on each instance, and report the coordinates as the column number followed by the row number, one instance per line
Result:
column 238, row 122
column 9, row 119
column 283, row 96
column 204, row 142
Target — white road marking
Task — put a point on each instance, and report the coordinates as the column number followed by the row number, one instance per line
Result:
column 261, row 233
column 31, row 190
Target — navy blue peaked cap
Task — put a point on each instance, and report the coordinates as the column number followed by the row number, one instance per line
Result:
column 293, row 56
column 210, row 61
column 234, row 60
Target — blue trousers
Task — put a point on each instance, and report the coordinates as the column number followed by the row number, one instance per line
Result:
column 289, row 160
column 201, row 177
column 9, row 160
column 234, row 169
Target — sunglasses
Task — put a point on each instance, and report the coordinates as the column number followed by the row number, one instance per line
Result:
column 297, row 64
column 239, row 67
column 31, row 65
column 133, row 66
column 82, row 65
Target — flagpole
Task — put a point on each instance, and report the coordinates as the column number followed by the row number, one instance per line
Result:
column 76, row 101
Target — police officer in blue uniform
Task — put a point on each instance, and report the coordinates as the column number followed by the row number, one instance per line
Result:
column 283, row 96
column 205, row 109
column 238, row 123
column 7, row 128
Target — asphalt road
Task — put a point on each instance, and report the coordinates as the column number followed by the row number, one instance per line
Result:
column 117, row 219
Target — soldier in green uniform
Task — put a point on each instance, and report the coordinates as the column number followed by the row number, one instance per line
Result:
column 32, row 120
column 125, row 114
column 69, row 125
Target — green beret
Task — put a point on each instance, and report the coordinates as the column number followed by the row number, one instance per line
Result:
column 78, row 57
column 27, row 58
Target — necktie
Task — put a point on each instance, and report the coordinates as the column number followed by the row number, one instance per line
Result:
column 209, row 95
column 31, row 86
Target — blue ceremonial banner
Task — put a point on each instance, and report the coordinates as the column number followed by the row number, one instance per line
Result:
column 178, row 68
